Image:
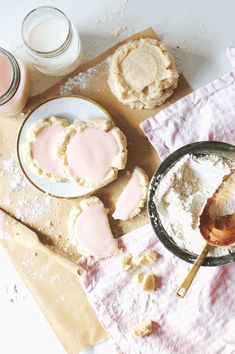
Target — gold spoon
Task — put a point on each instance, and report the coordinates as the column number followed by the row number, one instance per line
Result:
column 218, row 231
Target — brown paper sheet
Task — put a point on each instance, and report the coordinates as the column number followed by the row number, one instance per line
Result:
column 58, row 292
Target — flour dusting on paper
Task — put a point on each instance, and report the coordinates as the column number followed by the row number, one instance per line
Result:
column 83, row 79
column 28, row 205
column 17, row 180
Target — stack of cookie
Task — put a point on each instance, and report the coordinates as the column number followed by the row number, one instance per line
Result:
column 142, row 74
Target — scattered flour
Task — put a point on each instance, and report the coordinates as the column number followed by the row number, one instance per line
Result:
column 11, row 166
column 182, row 195
column 83, row 79
column 27, row 205
column 112, row 22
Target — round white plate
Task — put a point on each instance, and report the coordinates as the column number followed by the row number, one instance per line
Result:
column 73, row 108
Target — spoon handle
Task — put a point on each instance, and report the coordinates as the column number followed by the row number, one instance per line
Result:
column 183, row 288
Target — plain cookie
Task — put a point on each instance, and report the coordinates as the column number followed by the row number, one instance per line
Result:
column 142, row 73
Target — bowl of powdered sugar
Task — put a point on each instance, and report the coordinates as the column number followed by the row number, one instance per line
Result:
column 178, row 194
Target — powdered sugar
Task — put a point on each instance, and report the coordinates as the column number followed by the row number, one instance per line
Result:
column 27, row 265
column 113, row 21
column 31, row 206
column 182, row 195
column 83, row 79
column 11, row 166
column 27, row 205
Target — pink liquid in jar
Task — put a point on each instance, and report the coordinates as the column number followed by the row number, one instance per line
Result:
column 14, row 84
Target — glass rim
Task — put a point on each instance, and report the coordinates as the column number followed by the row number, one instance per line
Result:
column 54, row 52
column 15, row 80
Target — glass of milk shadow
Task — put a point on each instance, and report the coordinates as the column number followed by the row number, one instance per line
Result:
column 51, row 41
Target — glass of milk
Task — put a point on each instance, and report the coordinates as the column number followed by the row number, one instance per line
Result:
column 51, row 41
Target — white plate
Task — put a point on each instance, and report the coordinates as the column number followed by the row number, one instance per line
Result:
column 73, row 108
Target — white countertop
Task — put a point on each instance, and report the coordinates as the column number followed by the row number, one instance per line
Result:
column 201, row 29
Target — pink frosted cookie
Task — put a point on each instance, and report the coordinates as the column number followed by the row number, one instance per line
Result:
column 89, row 230
column 92, row 152
column 133, row 196
column 41, row 147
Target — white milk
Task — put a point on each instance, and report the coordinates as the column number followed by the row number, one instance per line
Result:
column 51, row 41
column 48, row 35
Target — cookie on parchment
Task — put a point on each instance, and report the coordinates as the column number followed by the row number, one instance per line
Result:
column 89, row 230
column 142, row 73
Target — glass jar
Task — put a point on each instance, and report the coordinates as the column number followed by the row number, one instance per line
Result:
column 14, row 84
column 51, row 41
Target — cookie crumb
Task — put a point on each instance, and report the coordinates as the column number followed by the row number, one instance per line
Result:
column 148, row 257
column 148, row 283
column 139, row 278
column 142, row 329
column 126, row 262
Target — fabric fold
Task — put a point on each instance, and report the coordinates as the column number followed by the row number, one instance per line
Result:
column 190, row 325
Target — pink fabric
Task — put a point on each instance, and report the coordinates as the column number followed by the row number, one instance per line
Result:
column 202, row 322
column 206, row 114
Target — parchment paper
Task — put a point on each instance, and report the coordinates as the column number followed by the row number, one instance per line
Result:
column 58, row 292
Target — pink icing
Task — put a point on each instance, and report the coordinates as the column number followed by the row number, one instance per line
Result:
column 129, row 199
column 93, row 232
column 90, row 154
column 44, row 149
column 6, row 74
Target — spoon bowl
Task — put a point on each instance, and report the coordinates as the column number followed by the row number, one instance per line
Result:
column 218, row 231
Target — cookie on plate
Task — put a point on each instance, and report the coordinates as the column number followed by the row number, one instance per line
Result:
column 40, row 148
column 133, row 196
column 92, row 152
column 142, row 73
column 89, row 230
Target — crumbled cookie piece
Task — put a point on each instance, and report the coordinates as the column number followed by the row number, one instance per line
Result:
column 142, row 329
column 148, row 283
column 148, row 257
column 139, row 278
column 126, row 262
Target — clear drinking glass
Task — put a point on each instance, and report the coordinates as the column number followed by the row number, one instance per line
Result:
column 53, row 52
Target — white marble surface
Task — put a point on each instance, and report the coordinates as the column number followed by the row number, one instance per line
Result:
column 201, row 29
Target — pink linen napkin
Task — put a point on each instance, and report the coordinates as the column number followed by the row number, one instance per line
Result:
column 205, row 114
column 201, row 323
